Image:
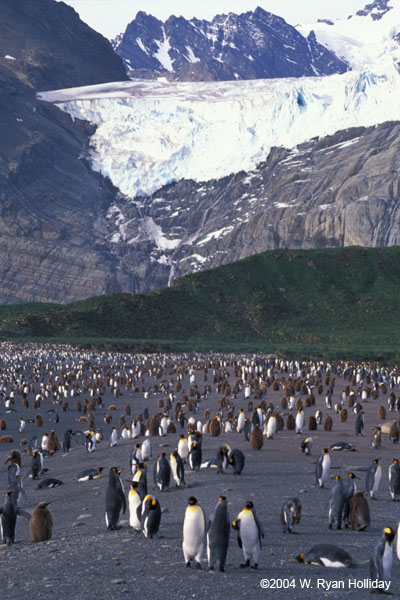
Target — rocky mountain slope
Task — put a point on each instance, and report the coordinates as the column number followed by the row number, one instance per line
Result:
column 252, row 45
column 52, row 205
column 340, row 190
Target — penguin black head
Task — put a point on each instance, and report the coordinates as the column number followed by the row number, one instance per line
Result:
column 9, row 493
column 389, row 534
column 162, row 454
column 182, row 437
column 222, row 499
column 395, row 461
column 299, row 557
column 375, row 461
column 249, row 504
column 100, row 469
column 192, row 501
column 338, row 477
column 325, row 450
column 353, row 476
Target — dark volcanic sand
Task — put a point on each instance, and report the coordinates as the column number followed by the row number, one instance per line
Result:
column 85, row 560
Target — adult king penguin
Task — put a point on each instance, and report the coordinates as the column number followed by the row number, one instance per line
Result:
column 151, row 516
column 115, row 499
column 194, row 531
column 381, row 559
column 218, row 535
column 373, row 478
column 250, row 532
column 290, row 514
column 322, row 467
column 8, row 519
column 162, row 473
column 394, row 479
column 177, row 468
column 135, row 498
column 336, row 503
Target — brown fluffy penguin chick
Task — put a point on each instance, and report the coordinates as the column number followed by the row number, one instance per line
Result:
column 53, row 443
column 290, row 422
column 359, row 512
column 256, row 438
column 394, row 433
column 41, row 523
column 328, row 423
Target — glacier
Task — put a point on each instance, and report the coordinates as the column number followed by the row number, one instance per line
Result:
column 151, row 133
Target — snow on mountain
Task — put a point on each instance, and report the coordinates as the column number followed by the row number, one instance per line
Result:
column 252, row 45
column 151, row 133
column 367, row 40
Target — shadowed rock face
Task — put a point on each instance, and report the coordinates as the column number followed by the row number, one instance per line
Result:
column 52, row 205
column 251, row 45
column 52, row 48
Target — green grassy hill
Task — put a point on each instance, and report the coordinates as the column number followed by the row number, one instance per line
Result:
column 330, row 303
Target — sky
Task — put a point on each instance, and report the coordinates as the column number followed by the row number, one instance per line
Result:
column 111, row 17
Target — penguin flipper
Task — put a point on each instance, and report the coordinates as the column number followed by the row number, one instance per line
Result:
column 23, row 513
column 259, row 526
column 123, row 498
column 239, row 540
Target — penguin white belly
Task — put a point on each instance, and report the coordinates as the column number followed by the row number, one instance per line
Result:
column 240, row 424
column 134, row 502
column 327, row 562
column 398, row 540
column 271, row 427
column 250, row 537
column 326, row 465
column 377, row 478
column 193, row 534
column 387, row 559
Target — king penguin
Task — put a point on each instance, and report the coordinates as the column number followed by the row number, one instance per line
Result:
column 300, row 420
column 382, row 557
column 41, row 523
column 306, row 446
column 218, row 532
column 394, row 479
column 373, row 478
column 151, row 516
column 8, row 519
column 322, row 467
column 336, row 503
column 115, row 499
column 183, row 447
column 195, row 454
column 327, row 555
column 135, row 498
column 162, row 472
column 237, row 460
column 290, row 514
column 177, row 468
column 240, row 421
column 194, row 531
column 250, row 532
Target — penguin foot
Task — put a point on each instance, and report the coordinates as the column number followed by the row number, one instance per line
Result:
column 245, row 565
column 188, row 564
column 255, row 566
column 221, row 568
column 330, row 526
column 211, row 568
column 198, row 565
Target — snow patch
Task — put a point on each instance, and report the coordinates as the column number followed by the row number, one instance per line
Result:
column 162, row 54
column 190, row 55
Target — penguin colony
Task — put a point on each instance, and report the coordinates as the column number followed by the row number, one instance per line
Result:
column 259, row 399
